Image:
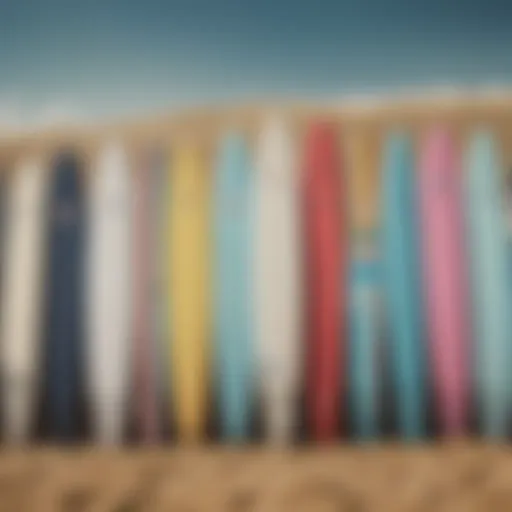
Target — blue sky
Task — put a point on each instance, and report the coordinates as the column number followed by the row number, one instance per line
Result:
column 104, row 57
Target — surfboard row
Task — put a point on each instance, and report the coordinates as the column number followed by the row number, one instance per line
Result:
column 301, row 289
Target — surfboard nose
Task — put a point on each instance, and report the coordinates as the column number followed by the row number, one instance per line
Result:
column 437, row 148
column 438, row 164
column 321, row 147
column 112, row 162
column 398, row 148
column 481, row 156
column 66, row 182
column 19, row 402
column 233, row 158
column 275, row 151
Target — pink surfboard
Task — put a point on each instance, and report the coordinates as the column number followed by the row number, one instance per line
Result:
column 144, row 357
column 440, row 182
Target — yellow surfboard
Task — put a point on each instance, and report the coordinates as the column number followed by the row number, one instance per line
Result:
column 189, row 281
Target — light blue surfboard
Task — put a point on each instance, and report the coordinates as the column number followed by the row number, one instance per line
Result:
column 365, row 302
column 488, row 276
column 233, row 291
column 402, row 278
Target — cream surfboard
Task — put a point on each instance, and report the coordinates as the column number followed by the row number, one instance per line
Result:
column 278, row 279
column 21, row 299
column 108, row 343
column 189, row 281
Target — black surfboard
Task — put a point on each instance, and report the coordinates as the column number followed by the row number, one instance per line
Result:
column 64, row 308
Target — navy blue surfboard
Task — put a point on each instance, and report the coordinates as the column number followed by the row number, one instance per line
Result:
column 64, row 318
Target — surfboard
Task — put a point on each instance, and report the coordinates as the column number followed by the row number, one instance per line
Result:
column 64, row 296
column 278, row 280
column 488, row 274
column 190, row 301
column 109, row 286
column 402, row 276
column 233, row 286
column 326, row 280
column 365, row 295
column 161, row 162
column 4, row 198
column 21, row 298
column 508, row 201
column 440, row 190
column 149, row 301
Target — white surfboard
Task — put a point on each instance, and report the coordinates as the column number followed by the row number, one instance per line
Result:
column 109, row 267
column 21, row 299
column 277, row 280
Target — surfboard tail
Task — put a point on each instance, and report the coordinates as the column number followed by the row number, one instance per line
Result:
column 235, row 410
column 280, row 413
column 108, row 421
column 146, row 400
column 190, row 413
column 19, row 406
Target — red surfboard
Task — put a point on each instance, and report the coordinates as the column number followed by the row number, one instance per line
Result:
column 325, row 253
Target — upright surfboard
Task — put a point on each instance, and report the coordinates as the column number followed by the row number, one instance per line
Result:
column 160, row 196
column 440, row 189
column 325, row 245
column 65, row 301
column 109, row 267
column 4, row 198
column 489, row 279
column 508, row 203
column 278, row 274
column 22, row 299
column 149, row 300
column 365, row 295
column 233, row 233
column 402, row 275
column 190, row 318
